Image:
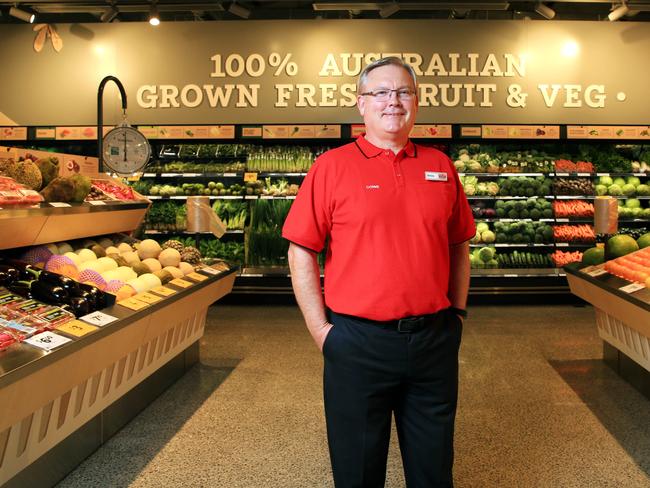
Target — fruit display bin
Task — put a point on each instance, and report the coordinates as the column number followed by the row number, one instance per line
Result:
column 46, row 222
column 623, row 320
column 57, row 408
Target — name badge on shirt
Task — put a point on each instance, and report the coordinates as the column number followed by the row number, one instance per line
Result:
column 435, row 176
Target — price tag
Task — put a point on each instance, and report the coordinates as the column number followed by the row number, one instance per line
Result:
column 180, row 283
column 163, row 290
column 229, row 175
column 133, row 303
column 76, row 328
column 60, row 204
column 209, row 270
column 597, row 272
column 97, row 202
column 250, row 176
column 196, row 276
column 99, row 319
column 147, row 297
column 250, row 197
column 632, row 287
column 47, row 340
column 562, row 244
column 583, row 174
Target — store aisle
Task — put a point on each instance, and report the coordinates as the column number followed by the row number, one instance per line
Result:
column 538, row 408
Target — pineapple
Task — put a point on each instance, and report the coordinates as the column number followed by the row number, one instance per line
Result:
column 191, row 255
column 173, row 244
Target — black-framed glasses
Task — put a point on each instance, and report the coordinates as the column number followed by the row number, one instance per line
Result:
column 384, row 94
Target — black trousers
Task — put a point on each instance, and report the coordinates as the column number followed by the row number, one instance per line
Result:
column 372, row 372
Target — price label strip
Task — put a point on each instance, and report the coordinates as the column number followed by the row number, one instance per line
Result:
column 209, row 270
column 163, row 290
column 632, row 287
column 47, row 340
column 76, row 328
column 100, row 319
column 196, row 276
column 148, row 297
column 595, row 271
column 180, row 283
column 133, row 304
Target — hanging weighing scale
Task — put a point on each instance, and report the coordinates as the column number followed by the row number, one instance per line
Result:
column 125, row 149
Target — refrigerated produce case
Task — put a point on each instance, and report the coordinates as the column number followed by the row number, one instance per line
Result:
column 59, row 405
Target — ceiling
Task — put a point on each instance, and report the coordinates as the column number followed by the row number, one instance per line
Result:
column 87, row 11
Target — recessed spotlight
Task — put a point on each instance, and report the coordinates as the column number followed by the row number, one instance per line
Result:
column 618, row 12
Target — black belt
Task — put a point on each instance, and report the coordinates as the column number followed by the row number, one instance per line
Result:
column 405, row 325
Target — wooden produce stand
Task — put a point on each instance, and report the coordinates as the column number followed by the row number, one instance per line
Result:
column 57, row 407
column 623, row 320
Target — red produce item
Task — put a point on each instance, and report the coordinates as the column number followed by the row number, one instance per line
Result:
column 117, row 191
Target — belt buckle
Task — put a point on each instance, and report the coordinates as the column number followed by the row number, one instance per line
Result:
column 409, row 324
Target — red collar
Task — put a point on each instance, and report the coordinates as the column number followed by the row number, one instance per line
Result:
column 369, row 150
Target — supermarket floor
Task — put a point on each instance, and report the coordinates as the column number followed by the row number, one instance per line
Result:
column 538, row 408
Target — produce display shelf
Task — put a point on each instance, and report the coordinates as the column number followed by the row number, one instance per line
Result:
column 263, row 174
column 514, row 272
column 45, row 223
column 593, row 197
column 505, row 197
column 505, row 175
column 200, row 159
column 497, row 219
column 232, row 174
column 186, row 232
column 640, row 175
column 525, row 244
column 575, row 244
column 71, row 386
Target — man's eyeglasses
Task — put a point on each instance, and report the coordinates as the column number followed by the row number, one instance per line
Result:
column 384, row 94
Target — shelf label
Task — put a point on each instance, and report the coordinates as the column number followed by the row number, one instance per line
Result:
column 76, row 328
column 327, row 131
column 147, row 297
column 149, row 131
column 608, row 132
column 60, row 204
column 632, row 287
column 99, row 319
column 521, row 131
column 470, row 131
column 594, row 270
column 47, row 340
column 357, row 129
column 562, row 244
column 250, row 176
column 250, row 197
column 13, row 133
column 251, row 131
column 180, row 283
column 421, row 131
column 196, row 276
column 209, row 270
column 133, row 303
column 96, row 202
column 163, row 290
column 45, row 133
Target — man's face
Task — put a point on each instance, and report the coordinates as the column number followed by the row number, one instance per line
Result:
column 394, row 116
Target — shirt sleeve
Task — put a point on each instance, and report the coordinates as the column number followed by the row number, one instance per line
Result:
column 309, row 220
column 460, row 226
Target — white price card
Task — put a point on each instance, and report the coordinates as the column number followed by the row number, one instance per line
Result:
column 99, row 319
column 47, row 340
column 210, row 270
column 632, row 287
column 97, row 202
column 60, row 204
column 597, row 272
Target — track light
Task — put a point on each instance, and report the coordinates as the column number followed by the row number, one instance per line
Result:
column 239, row 10
column 154, row 17
column 388, row 10
column 544, row 10
column 109, row 14
column 22, row 15
column 618, row 12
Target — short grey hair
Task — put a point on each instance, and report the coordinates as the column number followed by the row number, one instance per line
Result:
column 388, row 61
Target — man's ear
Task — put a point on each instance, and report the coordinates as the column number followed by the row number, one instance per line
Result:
column 361, row 104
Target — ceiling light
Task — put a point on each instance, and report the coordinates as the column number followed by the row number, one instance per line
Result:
column 544, row 10
column 239, row 10
column 388, row 10
column 22, row 15
column 109, row 14
column 154, row 17
column 618, row 12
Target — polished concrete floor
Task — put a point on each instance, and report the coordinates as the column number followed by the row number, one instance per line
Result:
column 538, row 408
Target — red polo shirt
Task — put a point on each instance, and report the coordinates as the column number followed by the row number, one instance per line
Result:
column 390, row 219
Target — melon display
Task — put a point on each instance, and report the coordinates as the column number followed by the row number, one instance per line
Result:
column 175, row 272
column 107, row 263
column 86, row 255
column 150, row 280
column 169, row 257
column 186, row 268
column 593, row 256
column 153, row 264
column 124, row 247
column 644, row 240
column 112, row 250
column 64, row 248
column 131, row 257
column 74, row 257
column 620, row 245
column 148, row 249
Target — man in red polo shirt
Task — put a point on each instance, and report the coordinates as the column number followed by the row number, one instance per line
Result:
column 397, row 226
